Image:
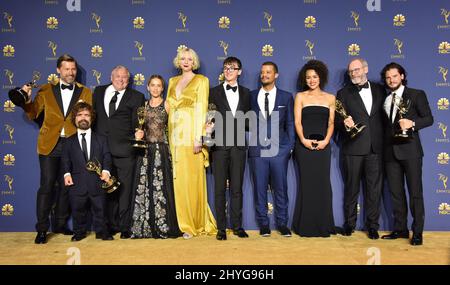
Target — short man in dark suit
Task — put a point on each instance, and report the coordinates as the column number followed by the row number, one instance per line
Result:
column 362, row 155
column 232, row 101
column 116, row 107
column 403, row 159
column 84, row 186
column 271, row 142
column 54, row 102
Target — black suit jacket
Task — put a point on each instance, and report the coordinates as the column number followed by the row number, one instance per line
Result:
column 218, row 97
column 420, row 113
column 371, row 138
column 73, row 162
column 120, row 128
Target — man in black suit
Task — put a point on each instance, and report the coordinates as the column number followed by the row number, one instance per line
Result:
column 232, row 101
column 84, row 186
column 403, row 158
column 362, row 155
column 116, row 107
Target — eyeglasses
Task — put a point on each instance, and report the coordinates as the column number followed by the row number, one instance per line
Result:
column 230, row 69
column 356, row 70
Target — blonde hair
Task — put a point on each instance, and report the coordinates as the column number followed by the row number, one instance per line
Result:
column 196, row 60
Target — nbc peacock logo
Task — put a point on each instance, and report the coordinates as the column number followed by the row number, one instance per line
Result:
column 9, row 160
column 444, row 209
column 9, row 107
column 353, row 49
column 138, row 23
column 139, row 79
column 269, row 208
column 52, row 23
column 8, row 51
column 444, row 48
column 310, row 22
column 97, row 51
column 224, row 22
column 443, row 158
column 221, row 78
column 267, row 50
column 53, row 79
column 7, row 210
column 443, row 104
column 399, row 20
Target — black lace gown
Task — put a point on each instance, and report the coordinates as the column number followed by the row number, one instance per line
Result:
column 154, row 214
column 313, row 214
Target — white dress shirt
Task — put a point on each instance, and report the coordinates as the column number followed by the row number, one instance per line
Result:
column 366, row 96
column 66, row 96
column 388, row 102
column 232, row 97
column 262, row 97
column 109, row 93
column 88, row 133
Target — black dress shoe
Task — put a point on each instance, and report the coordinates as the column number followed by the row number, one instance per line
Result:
column 221, row 235
column 125, row 235
column 240, row 232
column 396, row 235
column 265, row 231
column 347, row 231
column 417, row 239
column 284, row 231
column 64, row 231
column 41, row 238
column 373, row 234
column 104, row 236
column 78, row 237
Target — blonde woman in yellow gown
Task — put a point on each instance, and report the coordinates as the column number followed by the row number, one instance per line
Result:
column 187, row 96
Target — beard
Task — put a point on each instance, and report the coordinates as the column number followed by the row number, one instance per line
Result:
column 395, row 87
column 83, row 125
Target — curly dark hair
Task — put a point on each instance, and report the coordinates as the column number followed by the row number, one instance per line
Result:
column 319, row 67
column 393, row 65
column 81, row 106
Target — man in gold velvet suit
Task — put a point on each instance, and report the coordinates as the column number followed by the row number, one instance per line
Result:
column 54, row 102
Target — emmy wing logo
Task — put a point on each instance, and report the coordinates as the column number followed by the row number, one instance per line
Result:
column 7, row 210
column 53, row 79
column 97, row 19
column 9, row 77
column 138, row 23
column 267, row 50
column 443, row 104
column 97, row 51
column 355, row 17
column 353, row 49
column 443, row 130
column 445, row 13
column 9, row 182
column 183, row 19
column 310, row 48
column 444, row 48
column 97, row 74
column 139, row 79
column 268, row 20
column 139, row 46
column 443, row 158
column 9, row 160
column 10, row 131
column 443, row 72
column 398, row 44
column 8, row 51
column 52, row 23
column 444, row 209
column 443, row 179
column 52, row 46
column 224, row 22
column 310, row 22
column 9, row 107
column 8, row 18
column 224, row 46
column 399, row 20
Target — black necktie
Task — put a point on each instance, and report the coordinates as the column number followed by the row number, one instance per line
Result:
column 112, row 104
column 64, row 86
column 365, row 85
column 84, row 146
column 266, row 105
column 232, row 88
column 392, row 106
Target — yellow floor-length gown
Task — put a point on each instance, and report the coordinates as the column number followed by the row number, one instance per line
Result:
column 187, row 116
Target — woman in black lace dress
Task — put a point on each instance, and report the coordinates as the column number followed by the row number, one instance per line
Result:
column 154, row 214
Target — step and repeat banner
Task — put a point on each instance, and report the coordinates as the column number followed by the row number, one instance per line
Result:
column 144, row 35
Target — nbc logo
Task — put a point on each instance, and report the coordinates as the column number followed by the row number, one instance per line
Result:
column 138, row 23
column 9, row 106
column 7, row 210
column 139, row 79
column 399, row 20
column 224, row 22
column 97, row 51
column 443, row 158
column 444, row 48
column 9, row 160
column 267, row 50
column 8, row 51
column 310, row 22
column 353, row 49
column 443, row 104
column 444, row 209
column 221, row 78
column 52, row 23
column 269, row 208
column 53, row 79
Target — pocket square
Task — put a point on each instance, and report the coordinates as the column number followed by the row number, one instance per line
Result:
column 279, row 107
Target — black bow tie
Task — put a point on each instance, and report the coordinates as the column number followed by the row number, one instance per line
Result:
column 64, row 86
column 232, row 88
column 365, row 85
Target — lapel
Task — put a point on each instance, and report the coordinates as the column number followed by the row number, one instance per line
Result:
column 78, row 150
column 223, row 98
column 375, row 99
column 405, row 96
column 126, row 96
column 277, row 103
column 101, row 99
column 359, row 100
column 57, row 93
column 241, row 98
column 76, row 94
column 93, row 147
